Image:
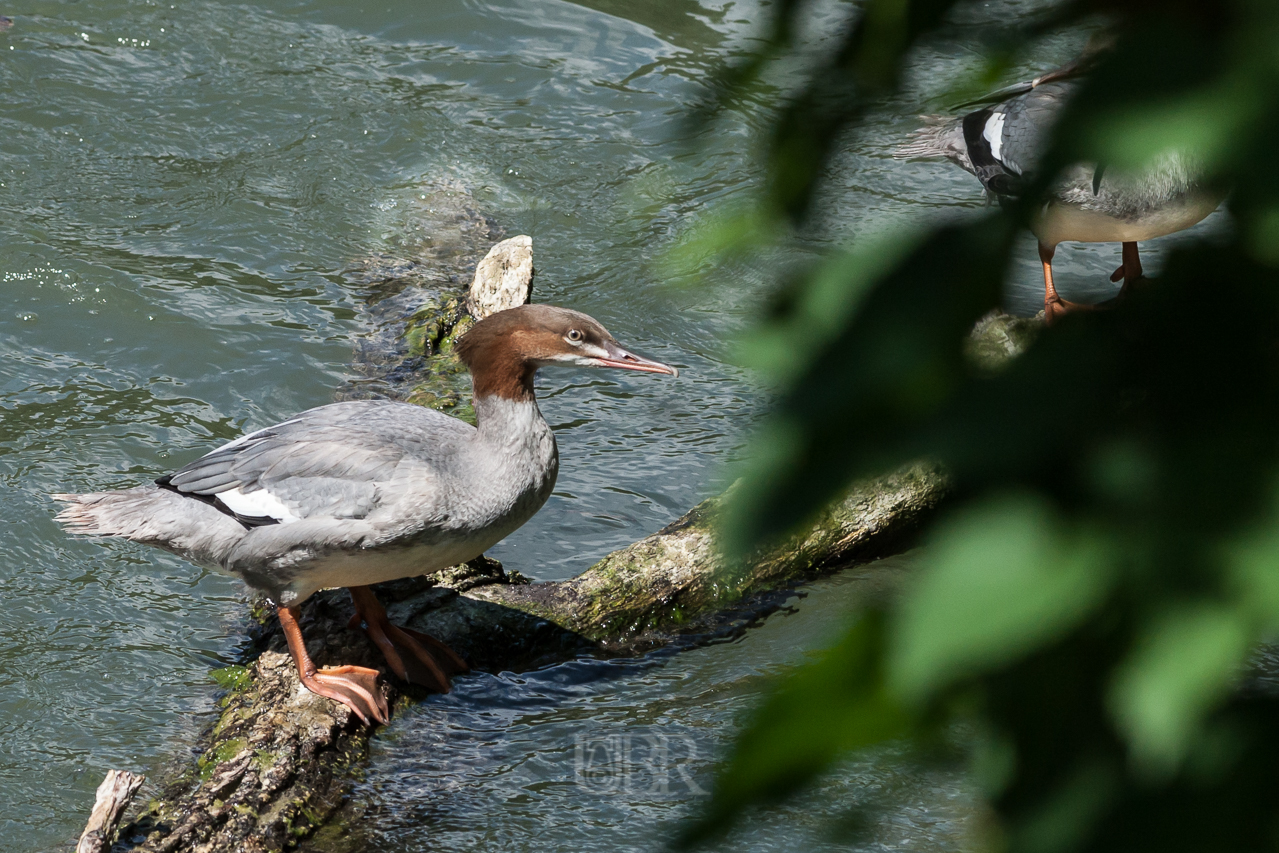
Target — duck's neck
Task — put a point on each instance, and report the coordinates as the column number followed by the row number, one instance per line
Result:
column 515, row 448
column 499, row 372
column 511, row 432
column 499, row 419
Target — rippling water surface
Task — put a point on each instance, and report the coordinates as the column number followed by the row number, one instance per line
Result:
column 609, row 755
column 182, row 186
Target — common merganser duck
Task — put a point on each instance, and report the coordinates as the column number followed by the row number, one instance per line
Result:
column 1001, row 144
column 357, row 493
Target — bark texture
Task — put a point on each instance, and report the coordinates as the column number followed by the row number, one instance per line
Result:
column 113, row 797
column 675, row 581
column 271, row 771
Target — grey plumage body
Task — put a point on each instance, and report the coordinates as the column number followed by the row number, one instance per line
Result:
column 347, row 494
column 1002, row 145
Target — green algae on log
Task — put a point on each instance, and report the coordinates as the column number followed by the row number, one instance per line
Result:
column 276, row 764
column 414, row 300
column 503, row 279
column 674, row 581
column 274, row 770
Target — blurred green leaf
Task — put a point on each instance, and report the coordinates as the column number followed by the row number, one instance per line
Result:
column 1110, row 556
column 818, row 311
column 722, row 237
column 1263, row 237
column 1182, row 665
column 1253, row 560
column 1065, row 818
column 998, row 580
column 898, row 358
column 1202, row 128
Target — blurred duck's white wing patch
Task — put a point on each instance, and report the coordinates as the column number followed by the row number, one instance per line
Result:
column 994, row 133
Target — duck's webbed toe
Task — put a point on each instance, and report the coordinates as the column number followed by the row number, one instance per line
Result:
column 353, row 686
column 413, row 656
column 1055, row 308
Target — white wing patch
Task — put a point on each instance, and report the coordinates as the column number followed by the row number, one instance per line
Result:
column 994, row 134
column 259, row 504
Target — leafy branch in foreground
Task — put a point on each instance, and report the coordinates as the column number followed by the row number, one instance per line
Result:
column 1093, row 598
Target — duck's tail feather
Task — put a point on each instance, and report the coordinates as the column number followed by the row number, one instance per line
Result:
column 941, row 136
column 154, row 516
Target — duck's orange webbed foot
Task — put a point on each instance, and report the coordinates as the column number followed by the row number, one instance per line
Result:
column 413, row 656
column 353, row 686
column 1054, row 306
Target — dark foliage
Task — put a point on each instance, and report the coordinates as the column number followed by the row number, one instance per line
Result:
column 1110, row 561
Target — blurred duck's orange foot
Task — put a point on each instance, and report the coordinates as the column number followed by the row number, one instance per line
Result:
column 413, row 656
column 1056, row 308
column 354, row 686
column 1121, row 274
column 1130, row 272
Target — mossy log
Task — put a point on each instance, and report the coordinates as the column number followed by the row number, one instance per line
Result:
column 675, row 582
column 276, row 764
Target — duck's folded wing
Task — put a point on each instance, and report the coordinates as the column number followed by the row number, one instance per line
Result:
column 321, row 464
column 1005, row 141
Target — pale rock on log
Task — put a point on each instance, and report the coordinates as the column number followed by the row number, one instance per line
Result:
column 504, row 279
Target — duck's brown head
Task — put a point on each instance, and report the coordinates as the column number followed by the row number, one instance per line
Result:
column 504, row 351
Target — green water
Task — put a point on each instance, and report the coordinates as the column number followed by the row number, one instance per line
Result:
column 183, row 185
